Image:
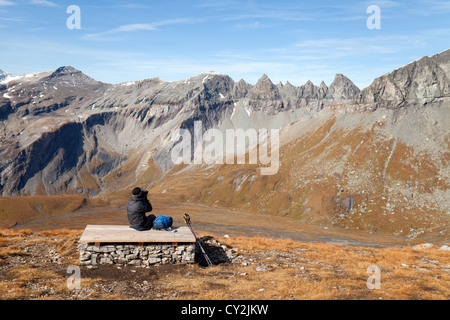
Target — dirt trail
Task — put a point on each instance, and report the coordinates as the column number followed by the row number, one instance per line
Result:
column 219, row 222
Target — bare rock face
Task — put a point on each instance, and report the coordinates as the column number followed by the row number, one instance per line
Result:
column 426, row 78
column 33, row 94
column 309, row 91
column 241, row 89
column 71, row 77
column 215, row 88
column 323, row 89
column 264, row 89
column 342, row 88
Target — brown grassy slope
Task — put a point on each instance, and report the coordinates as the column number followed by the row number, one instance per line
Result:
column 34, row 266
column 14, row 210
column 395, row 189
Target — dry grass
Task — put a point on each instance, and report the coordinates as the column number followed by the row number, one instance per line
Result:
column 325, row 271
column 25, row 282
column 261, row 244
column 14, row 210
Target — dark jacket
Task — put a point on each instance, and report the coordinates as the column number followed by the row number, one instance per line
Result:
column 136, row 209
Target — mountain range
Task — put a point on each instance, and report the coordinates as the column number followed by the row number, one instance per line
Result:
column 375, row 159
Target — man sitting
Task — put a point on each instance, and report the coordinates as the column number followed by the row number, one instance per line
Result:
column 138, row 205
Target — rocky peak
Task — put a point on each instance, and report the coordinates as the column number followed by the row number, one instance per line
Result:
column 217, row 87
column 342, row 88
column 4, row 75
column 323, row 89
column 264, row 89
column 309, row 90
column 63, row 72
column 66, row 70
column 70, row 76
column 211, row 81
column 264, row 83
column 241, row 89
column 289, row 91
column 264, row 78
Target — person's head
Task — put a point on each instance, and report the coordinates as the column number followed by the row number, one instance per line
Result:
column 138, row 192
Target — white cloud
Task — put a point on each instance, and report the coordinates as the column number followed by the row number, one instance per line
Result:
column 44, row 3
column 361, row 45
column 135, row 27
column 429, row 7
column 252, row 25
column 219, row 5
column 5, row 3
column 12, row 19
column 384, row 3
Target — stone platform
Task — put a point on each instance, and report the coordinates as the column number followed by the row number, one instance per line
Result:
column 110, row 244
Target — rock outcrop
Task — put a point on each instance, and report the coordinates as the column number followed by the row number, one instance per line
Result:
column 342, row 88
column 426, row 78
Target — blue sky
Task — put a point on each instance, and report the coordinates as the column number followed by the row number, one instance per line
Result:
column 293, row 41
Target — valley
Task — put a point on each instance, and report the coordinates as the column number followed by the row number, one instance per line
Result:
column 220, row 222
column 374, row 161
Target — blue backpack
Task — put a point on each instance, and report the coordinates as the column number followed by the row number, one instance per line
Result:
column 162, row 222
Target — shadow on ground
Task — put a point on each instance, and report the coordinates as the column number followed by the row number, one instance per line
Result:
column 212, row 249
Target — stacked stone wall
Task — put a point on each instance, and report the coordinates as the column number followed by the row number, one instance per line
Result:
column 135, row 254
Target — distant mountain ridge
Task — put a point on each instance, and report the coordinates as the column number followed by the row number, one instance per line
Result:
column 426, row 78
column 68, row 95
column 201, row 89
